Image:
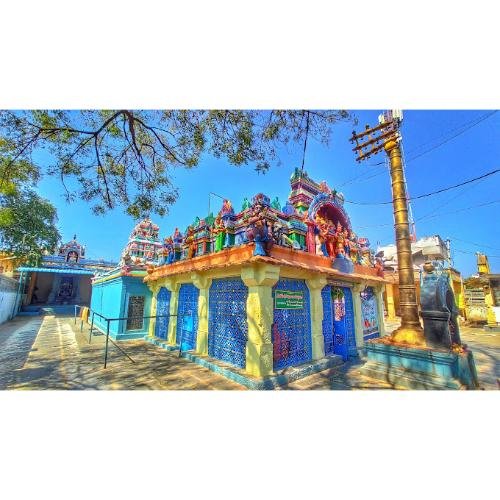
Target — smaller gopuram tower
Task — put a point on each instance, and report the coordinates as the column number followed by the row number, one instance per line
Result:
column 143, row 244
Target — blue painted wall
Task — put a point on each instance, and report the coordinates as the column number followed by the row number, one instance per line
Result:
column 111, row 298
column 369, row 314
column 291, row 333
column 162, row 309
column 338, row 332
column 187, row 316
column 227, row 321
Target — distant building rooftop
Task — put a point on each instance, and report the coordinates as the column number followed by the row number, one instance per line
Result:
column 424, row 249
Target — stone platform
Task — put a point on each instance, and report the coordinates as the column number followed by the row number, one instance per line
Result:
column 420, row 368
column 238, row 375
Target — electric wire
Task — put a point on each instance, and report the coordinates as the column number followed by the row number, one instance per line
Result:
column 466, row 189
column 458, row 210
column 475, row 244
column 350, row 181
column 452, row 212
column 476, row 122
column 467, row 125
column 426, row 195
column 475, row 253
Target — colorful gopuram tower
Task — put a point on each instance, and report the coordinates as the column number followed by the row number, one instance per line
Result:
column 143, row 245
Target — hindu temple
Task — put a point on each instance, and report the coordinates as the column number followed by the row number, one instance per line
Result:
column 268, row 287
column 63, row 279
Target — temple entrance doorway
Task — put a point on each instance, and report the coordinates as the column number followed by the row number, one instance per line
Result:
column 187, row 317
column 50, row 288
column 338, row 321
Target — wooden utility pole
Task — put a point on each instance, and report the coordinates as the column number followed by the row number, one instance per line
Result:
column 386, row 136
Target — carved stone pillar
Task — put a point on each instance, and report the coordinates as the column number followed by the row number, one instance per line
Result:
column 315, row 286
column 260, row 278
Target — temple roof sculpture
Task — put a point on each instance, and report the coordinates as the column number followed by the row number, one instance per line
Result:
column 72, row 251
column 312, row 220
column 71, row 257
column 143, row 245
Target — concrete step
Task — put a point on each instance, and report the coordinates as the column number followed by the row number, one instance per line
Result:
column 59, row 310
column 30, row 308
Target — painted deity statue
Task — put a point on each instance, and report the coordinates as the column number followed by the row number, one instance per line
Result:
column 323, row 187
column 177, row 237
column 72, row 257
column 190, row 243
column 318, row 240
column 126, row 259
column 219, row 233
column 366, row 258
column 149, row 252
column 167, row 251
column 347, row 243
column 288, row 209
column 340, row 251
column 227, row 208
column 379, row 266
column 331, row 240
column 258, row 229
column 276, row 204
column 311, row 233
column 327, row 236
column 353, row 248
column 322, row 237
column 246, row 204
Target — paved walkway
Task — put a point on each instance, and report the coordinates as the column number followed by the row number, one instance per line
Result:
column 61, row 358
column 486, row 349
column 16, row 340
column 51, row 353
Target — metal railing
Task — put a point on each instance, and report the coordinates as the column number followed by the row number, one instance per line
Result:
column 108, row 321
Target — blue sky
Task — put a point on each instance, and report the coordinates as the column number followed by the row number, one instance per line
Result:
column 470, row 154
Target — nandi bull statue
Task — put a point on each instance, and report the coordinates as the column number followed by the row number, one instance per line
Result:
column 439, row 311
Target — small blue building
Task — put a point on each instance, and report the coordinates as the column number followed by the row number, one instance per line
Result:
column 122, row 293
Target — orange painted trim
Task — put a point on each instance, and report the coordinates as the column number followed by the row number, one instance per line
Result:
column 230, row 256
column 281, row 256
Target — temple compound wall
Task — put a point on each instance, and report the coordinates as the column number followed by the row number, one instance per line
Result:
column 9, row 296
